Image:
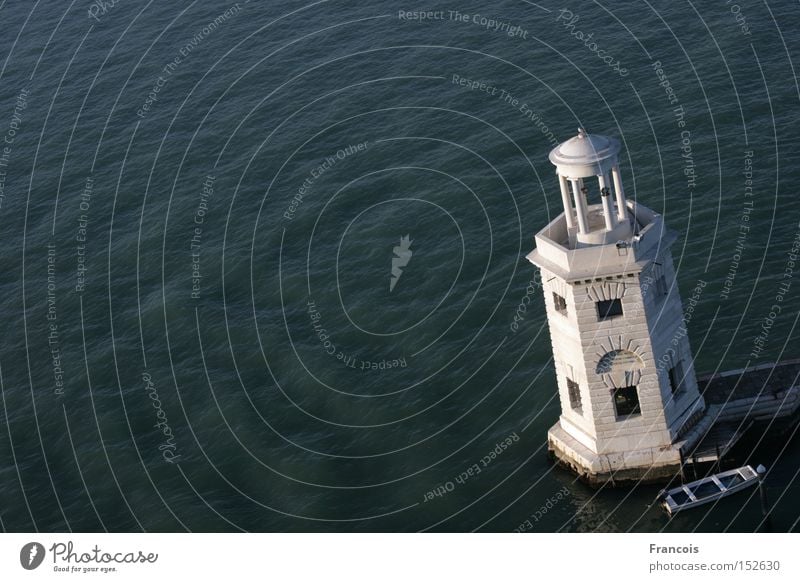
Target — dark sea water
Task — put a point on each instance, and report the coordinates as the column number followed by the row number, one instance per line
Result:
column 191, row 342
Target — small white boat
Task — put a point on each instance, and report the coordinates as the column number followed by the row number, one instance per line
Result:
column 708, row 489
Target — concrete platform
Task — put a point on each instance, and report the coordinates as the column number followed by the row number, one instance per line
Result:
column 642, row 466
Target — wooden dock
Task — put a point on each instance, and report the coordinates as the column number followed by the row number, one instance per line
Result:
column 737, row 400
column 718, row 442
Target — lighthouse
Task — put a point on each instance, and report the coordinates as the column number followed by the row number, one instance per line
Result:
column 630, row 404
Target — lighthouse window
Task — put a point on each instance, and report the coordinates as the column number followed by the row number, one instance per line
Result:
column 574, row 391
column 560, row 303
column 626, row 402
column 608, row 309
column 661, row 286
column 676, row 378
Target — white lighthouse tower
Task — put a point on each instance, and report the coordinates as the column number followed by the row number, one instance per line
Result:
column 629, row 397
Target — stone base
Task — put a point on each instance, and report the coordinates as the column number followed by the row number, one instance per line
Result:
column 651, row 465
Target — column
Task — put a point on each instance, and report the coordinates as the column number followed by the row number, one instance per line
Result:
column 622, row 210
column 567, row 204
column 580, row 207
column 605, row 197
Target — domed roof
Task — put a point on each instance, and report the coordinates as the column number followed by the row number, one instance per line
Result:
column 584, row 149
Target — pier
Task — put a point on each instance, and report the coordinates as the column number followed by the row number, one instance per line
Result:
column 766, row 396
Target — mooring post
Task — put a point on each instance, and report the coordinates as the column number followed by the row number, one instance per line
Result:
column 762, row 473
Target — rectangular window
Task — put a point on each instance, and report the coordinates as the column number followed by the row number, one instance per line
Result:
column 676, row 378
column 661, row 286
column 626, row 402
column 574, row 394
column 609, row 309
column 560, row 303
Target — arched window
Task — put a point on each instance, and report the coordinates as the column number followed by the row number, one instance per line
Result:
column 622, row 371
